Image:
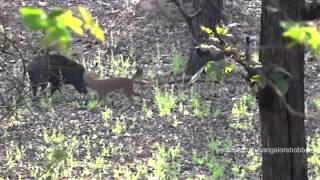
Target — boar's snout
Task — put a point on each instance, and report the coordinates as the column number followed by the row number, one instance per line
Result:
column 82, row 88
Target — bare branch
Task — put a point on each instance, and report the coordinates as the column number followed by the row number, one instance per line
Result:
column 21, row 55
column 189, row 18
column 312, row 11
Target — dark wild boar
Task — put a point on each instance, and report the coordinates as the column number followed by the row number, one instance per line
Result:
column 55, row 69
column 105, row 86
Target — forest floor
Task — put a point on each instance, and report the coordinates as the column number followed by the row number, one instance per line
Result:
column 205, row 117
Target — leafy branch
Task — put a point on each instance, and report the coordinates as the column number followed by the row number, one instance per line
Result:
column 59, row 24
column 258, row 77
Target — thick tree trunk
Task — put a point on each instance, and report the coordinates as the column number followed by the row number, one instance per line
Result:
column 280, row 129
column 210, row 17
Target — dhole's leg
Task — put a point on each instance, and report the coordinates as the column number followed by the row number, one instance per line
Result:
column 130, row 97
column 100, row 98
column 129, row 94
column 136, row 94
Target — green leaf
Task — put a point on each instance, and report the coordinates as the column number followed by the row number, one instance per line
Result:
column 308, row 35
column 255, row 78
column 259, row 82
column 59, row 155
column 288, row 24
column 206, row 30
column 296, row 34
column 56, row 13
column 57, row 37
column 222, row 30
column 228, row 69
column 92, row 104
column 281, row 83
column 34, row 18
column 314, row 35
column 178, row 64
column 72, row 22
column 97, row 32
column 86, row 16
column 210, row 67
column 212, row 71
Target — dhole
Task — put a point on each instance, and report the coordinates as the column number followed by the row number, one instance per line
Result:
column 105, row 86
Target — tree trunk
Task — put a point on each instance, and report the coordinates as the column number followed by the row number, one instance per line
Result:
column 280, row 129
column 209, row 17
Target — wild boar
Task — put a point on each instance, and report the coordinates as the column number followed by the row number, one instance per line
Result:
column 55, row 69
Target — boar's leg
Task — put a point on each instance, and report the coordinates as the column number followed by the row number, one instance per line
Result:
column 43, row 87
column 34, row 90
column 55, row 86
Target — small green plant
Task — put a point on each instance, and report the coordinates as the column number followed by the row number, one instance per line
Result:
column 61, row 157
column 255, row 161
column 125, row 171
column 14, row 119
column 178, row 64
column 119, row 127
column 238, row 172
column 97, row 164
column 76, row 105
column 240, row 110
column 314, row 154
column 148, row 112
column 58, row 157
column 175, row 122
column 46, row 103
column 14, row 155
column 119, row 65
column 106, row 115
column 183, row 109
column 92, row 104
column 200, row 109
column 210, row 160
column 165, row 163
column 183, row 97
column 316, row 103
column 165, row 101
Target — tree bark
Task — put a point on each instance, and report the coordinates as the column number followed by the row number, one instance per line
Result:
column 279, row 128
column 210, row 16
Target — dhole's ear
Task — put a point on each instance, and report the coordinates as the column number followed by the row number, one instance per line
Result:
column 139, row 72
column 85, row 76
column 91, row 75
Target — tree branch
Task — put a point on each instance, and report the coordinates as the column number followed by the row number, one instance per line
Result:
column 189, row 18
column 311, row 12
